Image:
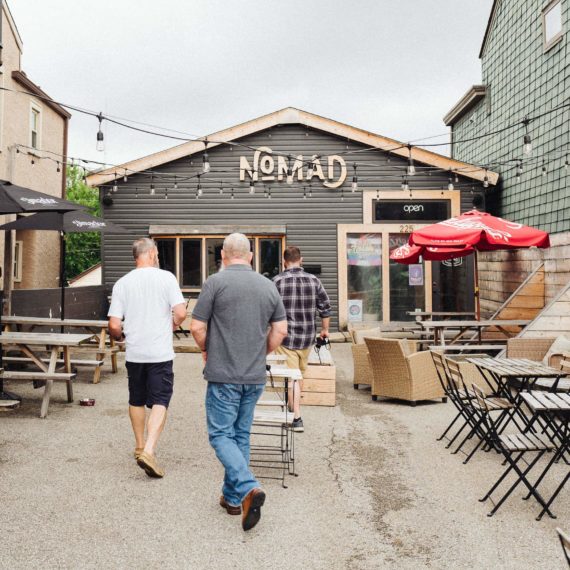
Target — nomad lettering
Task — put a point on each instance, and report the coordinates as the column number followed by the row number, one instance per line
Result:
column 330, row 170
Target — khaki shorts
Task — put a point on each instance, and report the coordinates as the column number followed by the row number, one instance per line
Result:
column 296, row 358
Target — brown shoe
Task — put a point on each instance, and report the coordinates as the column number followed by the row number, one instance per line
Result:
column 229, row 508
column 251, row 508
column 138, row 451
column 150, row 466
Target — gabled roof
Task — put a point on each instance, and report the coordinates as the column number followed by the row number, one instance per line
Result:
column 494, row 11
column 12, row 24
column 290, row 116
column 31, row 87
column 467, row 102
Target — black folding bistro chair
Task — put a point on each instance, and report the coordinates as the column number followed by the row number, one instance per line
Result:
column 513, row 447
column 565, row 542
column 273, row 445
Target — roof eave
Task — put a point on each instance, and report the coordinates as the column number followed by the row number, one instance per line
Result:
column 475, row 94
column 21, row 78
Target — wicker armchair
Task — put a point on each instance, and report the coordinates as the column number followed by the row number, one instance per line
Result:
column 533, row 349
column 402, row 375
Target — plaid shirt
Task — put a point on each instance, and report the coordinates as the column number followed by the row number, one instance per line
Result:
column 303, row 296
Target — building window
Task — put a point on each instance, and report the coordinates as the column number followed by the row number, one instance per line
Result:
column 552, row 23
column 191, row 262
column 35, row 126
column 18, row 259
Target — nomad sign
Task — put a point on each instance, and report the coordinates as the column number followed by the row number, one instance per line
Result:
column 330, row 170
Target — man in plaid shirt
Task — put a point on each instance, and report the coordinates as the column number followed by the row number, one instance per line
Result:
column 303, row 296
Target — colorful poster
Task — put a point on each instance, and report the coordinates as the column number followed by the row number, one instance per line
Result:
column 416, row 275
column 355, row 310
column 364, row 250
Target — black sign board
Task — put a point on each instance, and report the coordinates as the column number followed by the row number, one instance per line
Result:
column 397, row 211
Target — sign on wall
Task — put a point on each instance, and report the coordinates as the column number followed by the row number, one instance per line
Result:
column 355, row 310
column 329, row 170
column 416, row 275
column 386, row 211
column 364, row 250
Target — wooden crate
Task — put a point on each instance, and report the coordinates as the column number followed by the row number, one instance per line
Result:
column 319, row 385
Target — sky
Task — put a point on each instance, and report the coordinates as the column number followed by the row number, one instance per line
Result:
column 197, row 66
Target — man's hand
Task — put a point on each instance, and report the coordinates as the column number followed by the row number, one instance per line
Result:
column 325, row 333
column 116, row 328
column 204, row 356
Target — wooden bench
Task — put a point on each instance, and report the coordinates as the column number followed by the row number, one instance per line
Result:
column 72, row 361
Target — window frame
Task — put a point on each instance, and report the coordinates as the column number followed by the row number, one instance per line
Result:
column 17, row 261
column 35, row 109
column 549, row 44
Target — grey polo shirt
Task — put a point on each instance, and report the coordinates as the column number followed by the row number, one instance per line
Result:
column 239, row 305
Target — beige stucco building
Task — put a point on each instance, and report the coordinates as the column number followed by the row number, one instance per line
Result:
column 33, row 137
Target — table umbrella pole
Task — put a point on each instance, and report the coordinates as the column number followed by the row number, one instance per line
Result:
column 62, row 276
column 477, row 295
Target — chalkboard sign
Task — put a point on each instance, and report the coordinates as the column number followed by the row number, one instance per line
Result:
column 398, row 211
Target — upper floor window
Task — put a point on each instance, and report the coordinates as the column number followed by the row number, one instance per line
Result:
column 552, row 23
column 35, row 126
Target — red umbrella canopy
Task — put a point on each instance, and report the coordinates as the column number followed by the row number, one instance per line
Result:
column 481, row 231
column 409, row 254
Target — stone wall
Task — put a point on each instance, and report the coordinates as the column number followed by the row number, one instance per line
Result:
column 501, row 272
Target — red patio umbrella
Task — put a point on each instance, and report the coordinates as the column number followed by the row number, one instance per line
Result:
column 470, row 232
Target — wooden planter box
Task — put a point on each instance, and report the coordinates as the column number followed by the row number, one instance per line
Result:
column 319, row 385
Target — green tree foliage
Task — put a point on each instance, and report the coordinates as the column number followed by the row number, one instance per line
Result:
column 83, row 250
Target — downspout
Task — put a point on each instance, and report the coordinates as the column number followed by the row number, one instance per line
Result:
column 1, row 22
column 64, row 161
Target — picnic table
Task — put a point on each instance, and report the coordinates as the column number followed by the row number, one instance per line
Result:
column 32, row 343
column 555, row 410
column 462, row 327
column 102, row 344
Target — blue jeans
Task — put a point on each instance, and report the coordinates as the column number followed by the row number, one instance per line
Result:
column 229, row 413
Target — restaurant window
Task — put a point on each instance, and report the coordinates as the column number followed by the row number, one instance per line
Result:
column 167, row 254
column 552, row 24
column 364, row 277
column 35, row 126
column 269, row 257
column 18, row 260
column 214, row 255
column 407, row 284
column 191, row 262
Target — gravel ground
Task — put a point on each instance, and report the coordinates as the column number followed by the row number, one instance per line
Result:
column 375, row 490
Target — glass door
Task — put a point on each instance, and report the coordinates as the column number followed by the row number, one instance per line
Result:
column 364, row 277
column 407, row 284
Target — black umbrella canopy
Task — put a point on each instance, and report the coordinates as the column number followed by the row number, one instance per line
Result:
column 17, row 200
column 67, row 222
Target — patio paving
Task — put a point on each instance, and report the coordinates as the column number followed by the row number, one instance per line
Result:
column 375, row 490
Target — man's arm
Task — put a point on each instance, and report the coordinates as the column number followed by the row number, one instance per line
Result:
column 178, row 315
column 324, row 310
column 116, row 328
column 199, row 330
column 276, row 335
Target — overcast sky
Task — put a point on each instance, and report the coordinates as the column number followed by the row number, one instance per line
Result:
column 391, row 67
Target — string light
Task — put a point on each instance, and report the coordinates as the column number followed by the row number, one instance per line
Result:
column 311, row 169
column 199, row 189
column 450, row 186
column 100, row 138
column 456, row 179
column 411, row 170
column 304, row 193
column 354, row 186
column 115, row 185
column 405, row 185
column 566, row 163
column 269, row 193
column 377, row 193
column 544, row 170
column 289, row 171
column 527, row 143
column 152, row 183
column 221, row 187
column 310, row 191
column 33, row 161
column 232, row 196
column 175, row 183
column 136, row 193
column 485, row 180
column 125, row 178
column 252, row 186
column 166, row 193
column 205, row 159
column 342, row 193
column 59, row 168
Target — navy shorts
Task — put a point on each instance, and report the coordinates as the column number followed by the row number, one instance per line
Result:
column 150, row 383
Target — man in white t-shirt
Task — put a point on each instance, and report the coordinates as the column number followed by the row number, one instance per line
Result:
column 146, row 306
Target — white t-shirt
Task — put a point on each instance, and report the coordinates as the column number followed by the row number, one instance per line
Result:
column 144, row 299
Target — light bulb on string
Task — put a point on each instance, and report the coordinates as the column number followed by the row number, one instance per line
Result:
column 450, row 186
column 58, row 169
column 527, row 143
column 115, row 185
column 310, row 191
column 152, row 183
column 520, row 168
column 252, row 186
column 221, row 187
column 175, row 183
column 136, row 193
column 304, row 193
column 311, row 169
column 566, row 163
column 411, row 170
column 544, row 169
column 485, row 180
column 125, row 178
column 166, row 193
column 199, row 189
column 456, row 178
column 354, row 186
column 269, row 193
column 377, row 193
column 205, row 158
column 289, row 170
column 342, row 194
column 33, row 161
column 232, row 196
column 100, row 137
column 405, row 185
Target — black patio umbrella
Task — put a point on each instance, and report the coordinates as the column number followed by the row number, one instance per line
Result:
column 20, row 200
column 64, row 223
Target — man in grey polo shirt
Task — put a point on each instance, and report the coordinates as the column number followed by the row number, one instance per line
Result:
column 239, row 318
